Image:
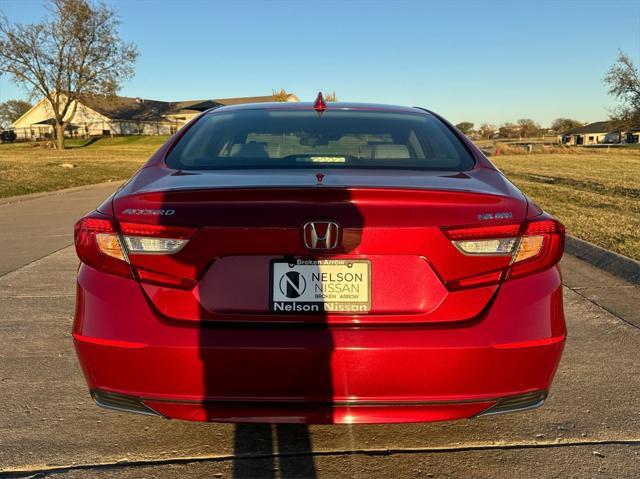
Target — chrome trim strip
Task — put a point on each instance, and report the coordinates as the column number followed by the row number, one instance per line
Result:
column 518, row 403
column 490, row 412
column 101, row 399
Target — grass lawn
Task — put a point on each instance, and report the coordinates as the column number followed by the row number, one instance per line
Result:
column 25, row 168
column 595, row 193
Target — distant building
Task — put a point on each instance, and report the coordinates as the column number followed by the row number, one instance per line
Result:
column 600, row 132
column 99, row 115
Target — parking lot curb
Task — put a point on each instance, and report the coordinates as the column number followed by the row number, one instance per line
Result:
column 614, row 263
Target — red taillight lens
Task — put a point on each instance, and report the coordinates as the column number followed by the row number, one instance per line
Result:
column 145, row 249
column 153, row 252
column 541, row 247
column 98, row 245
column 483, row 232
column 499, row 240
column 138, row 229
column 498, row 252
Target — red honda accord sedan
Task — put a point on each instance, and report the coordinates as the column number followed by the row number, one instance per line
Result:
column 320, row 263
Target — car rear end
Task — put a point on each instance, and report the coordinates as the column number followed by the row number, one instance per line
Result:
column 350, row 264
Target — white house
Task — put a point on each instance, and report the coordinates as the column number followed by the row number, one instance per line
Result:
column 99, row 115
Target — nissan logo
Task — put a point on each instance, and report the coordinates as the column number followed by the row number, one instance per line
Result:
column 292, row 284
column 320, row 234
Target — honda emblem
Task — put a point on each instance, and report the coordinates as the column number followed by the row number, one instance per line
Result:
column 320, row 234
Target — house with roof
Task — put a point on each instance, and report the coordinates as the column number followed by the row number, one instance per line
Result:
column 101, row 115
column 600, row 132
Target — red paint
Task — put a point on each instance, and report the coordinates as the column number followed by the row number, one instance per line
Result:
column 192, row 335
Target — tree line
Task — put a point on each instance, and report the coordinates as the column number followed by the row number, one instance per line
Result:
column 523, row 128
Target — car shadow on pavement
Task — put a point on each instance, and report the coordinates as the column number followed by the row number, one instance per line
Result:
column 256, row 446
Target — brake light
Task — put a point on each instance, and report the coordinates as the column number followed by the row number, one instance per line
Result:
column 541, row 247
column 139, row 229
column 150, row 249
column 533, row 246
column 154, row 239
column 100, row 245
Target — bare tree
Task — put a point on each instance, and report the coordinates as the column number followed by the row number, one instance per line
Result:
column 74, row 50
column 562, row 125
column 528, row 128
column 280, row 95
column 11, row 110
column 486, row 130
column 623, row 81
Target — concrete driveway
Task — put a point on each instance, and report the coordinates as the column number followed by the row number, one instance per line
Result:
column 49, row 426
column 37, row 225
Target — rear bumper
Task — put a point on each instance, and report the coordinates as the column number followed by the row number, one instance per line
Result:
column 319, row 375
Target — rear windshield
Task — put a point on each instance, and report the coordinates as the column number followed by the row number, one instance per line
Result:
column 304, row 138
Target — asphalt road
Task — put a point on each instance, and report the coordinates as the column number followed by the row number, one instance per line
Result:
column 49, row 426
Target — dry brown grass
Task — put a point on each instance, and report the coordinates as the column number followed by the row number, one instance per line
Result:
column 536, row 148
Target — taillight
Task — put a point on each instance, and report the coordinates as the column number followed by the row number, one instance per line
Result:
column 100, row 245
column 497, row 240
column 151, row 250
column 530, row 247
column 541, row 246
column 154, row 239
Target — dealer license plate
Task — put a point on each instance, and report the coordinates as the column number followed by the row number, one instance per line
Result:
column 318, row 286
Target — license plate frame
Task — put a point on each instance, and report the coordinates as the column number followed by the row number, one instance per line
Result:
column 348, row 297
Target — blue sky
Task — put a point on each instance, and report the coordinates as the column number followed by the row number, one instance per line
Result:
column 481, row 61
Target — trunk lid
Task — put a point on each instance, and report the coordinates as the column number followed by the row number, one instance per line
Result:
column 391, row 219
